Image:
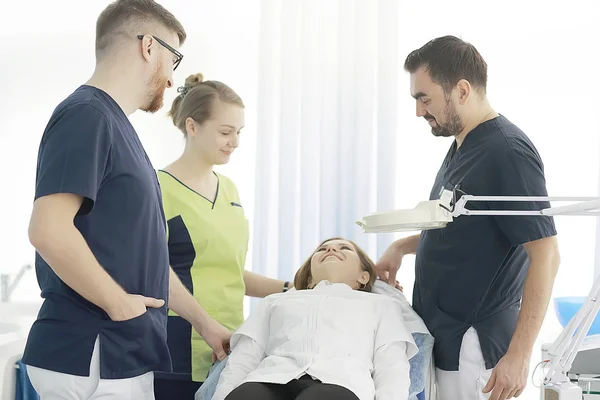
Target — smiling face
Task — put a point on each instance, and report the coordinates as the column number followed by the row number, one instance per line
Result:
column 337, row 261
column 436, row 106
column 217, row 138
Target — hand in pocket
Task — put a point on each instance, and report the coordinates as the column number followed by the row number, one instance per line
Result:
column 132, row 306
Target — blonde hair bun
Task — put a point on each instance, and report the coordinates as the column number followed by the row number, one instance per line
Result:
column 196, row 100
column 194, row 80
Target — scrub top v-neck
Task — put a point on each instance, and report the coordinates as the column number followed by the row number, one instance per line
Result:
column 208, row 243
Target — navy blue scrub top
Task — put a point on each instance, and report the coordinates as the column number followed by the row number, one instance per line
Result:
column 471, row 273
column 91, row 149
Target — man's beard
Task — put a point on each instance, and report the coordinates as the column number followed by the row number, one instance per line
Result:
column 453, row 125
column 156, row 96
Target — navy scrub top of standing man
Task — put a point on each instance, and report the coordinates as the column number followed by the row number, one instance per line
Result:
column 470, row 276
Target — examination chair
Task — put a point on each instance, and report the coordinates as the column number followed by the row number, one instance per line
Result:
column 422, row 373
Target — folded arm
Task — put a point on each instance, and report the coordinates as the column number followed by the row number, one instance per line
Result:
column 53, row 234
column 394, row 346
column 248, row 350
column 391, row 372
column 245, row 358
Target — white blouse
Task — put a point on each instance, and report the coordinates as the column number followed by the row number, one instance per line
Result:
column 333, row 333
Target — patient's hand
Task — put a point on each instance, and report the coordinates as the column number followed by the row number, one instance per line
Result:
column 217, row 337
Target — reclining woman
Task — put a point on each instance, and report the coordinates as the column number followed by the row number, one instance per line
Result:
column 328, row 339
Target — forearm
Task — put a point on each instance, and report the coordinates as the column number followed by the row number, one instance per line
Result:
column 63, row 247
column 391, row 374
column 536, row 296
column 261, row 286
column 183, row 303
column 244, row 358
column 408, row 245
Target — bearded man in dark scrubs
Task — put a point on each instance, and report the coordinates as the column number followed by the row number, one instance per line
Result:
column 482, row 283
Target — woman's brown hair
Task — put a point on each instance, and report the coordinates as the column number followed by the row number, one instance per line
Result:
column 304, row 275
column 197, row 99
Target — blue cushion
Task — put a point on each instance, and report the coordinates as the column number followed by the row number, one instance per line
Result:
column 25, row 390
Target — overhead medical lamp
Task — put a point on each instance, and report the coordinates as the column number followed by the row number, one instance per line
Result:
column 437, row 214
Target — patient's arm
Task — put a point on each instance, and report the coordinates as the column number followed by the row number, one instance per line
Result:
column 245, row 358
column 394, row 346
column 261, row 286
column 391, row 371
column 248, row 346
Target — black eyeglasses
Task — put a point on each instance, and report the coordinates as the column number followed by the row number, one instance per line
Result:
column 166, row 46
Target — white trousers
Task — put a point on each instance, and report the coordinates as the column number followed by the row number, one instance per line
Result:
column 52, row 385
column 468, row 382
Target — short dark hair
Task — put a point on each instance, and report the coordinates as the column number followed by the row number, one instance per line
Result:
column 120, row 12
column 449, row 59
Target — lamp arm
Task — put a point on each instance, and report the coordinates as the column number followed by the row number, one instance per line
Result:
column 564, row 349
column 435, row 214
column 581, row 334
column 585, row 206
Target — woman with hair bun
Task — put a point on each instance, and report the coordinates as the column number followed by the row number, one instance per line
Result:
column 207, row 230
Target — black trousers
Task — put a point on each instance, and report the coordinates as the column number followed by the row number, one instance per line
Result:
column 167, row 389
column 304, row 388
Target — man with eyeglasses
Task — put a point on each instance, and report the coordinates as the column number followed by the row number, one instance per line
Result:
column 98, row 225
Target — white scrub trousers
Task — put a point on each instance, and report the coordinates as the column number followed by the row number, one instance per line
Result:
column 468, row 382
column 52, row 385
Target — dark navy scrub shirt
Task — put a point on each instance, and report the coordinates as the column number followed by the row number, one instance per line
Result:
column 471, row 273
column 91, row 149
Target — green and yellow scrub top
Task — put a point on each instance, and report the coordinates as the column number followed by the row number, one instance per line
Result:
column 208, row 242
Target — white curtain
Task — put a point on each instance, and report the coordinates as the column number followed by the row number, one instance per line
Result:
column 327, row 102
